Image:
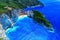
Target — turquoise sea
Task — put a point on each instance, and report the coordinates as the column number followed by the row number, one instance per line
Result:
column 26, row 29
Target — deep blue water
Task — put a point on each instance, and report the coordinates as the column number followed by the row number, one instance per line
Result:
column 52, row 13
column 27, row 29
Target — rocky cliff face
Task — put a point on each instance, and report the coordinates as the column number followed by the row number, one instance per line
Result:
column 9, row 18
column 2, row 34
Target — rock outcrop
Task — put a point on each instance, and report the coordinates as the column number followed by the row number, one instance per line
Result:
column 2, row 34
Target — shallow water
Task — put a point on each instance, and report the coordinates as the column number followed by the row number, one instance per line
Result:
column 26, row 29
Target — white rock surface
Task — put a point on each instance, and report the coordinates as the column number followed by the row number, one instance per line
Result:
column 2, row 33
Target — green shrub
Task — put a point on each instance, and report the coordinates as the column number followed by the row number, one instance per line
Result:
column 17, row 4
column 1, row 38
column 39, row 18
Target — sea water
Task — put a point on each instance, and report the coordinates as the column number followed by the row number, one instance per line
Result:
column 27, row 29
